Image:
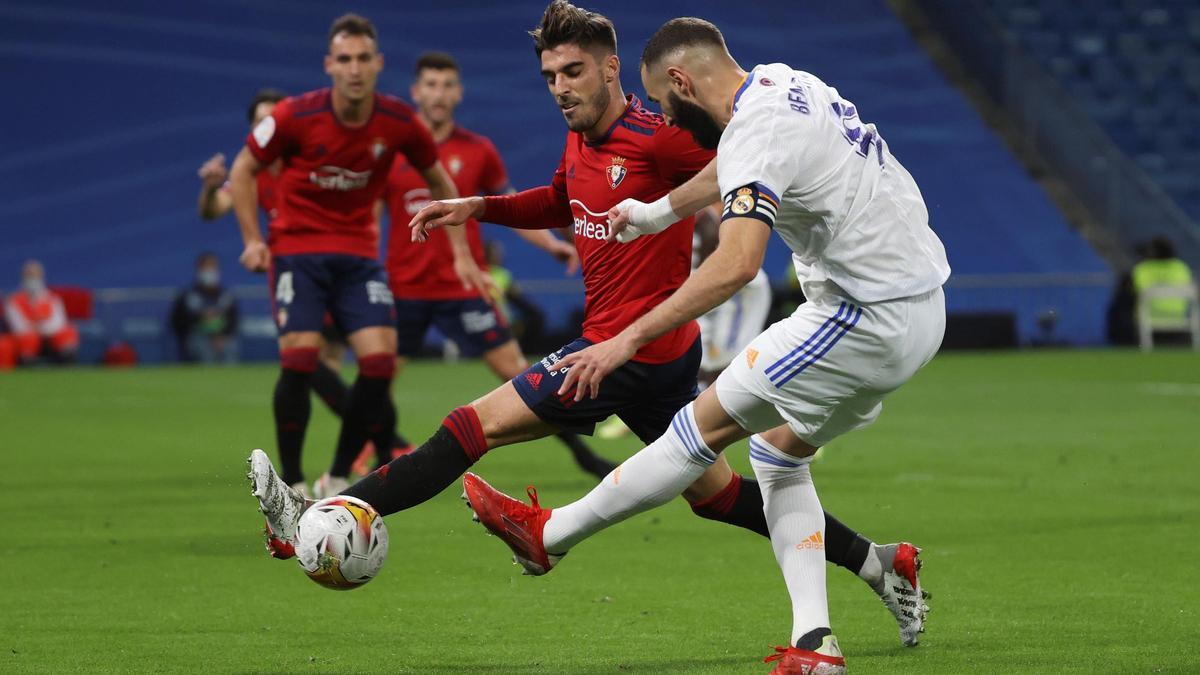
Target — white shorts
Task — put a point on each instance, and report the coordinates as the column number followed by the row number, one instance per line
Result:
column 825, row 370
column 729, row 327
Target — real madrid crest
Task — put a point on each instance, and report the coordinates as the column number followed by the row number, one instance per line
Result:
column 378, row 147
column 743, row 201
column 616, row 172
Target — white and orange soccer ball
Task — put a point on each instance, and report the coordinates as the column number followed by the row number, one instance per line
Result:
column 341, row 542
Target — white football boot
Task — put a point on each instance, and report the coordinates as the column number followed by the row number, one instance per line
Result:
column 900, row 588
column 281, row 505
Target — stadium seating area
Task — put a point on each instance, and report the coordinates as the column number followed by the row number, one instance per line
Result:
column 1135, row 67
column 102, row 186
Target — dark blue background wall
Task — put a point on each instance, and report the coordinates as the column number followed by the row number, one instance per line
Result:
column 111, row 107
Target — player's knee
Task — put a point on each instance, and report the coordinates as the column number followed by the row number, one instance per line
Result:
column 299, row 359
column 380, row 365
column 685, row 437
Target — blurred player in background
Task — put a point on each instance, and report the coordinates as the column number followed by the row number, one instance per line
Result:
column 615, row 150
column 337, row 146
column 427, row 291
column 215, row 201
column 794, row 158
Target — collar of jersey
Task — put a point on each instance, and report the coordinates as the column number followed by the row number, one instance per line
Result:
column 741, row 89
column 631, row 102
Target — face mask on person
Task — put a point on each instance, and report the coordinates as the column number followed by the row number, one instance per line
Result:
column 209, row 278
column 33, row 285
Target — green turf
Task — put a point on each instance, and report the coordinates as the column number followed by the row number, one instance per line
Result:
column 1055, row 495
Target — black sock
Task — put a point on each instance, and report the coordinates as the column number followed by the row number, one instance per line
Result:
column 416, row 477
column 330, row 387
column 843, row 546
column 812, row 639
column 738, row 503
column 383, row 434
column 292, row 408
column 364, row 410
column 741, row 504
column 585, row 457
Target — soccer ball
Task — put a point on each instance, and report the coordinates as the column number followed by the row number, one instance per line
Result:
column 341, row 542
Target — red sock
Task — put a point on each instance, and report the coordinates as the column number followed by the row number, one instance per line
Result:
column 464, row 423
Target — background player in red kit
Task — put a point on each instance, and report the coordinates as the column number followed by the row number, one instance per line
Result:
column 427, row 291
column 614, row 149
column 215, row 201
column 337, row 146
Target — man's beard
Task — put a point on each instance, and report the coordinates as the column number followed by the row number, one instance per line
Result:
column 598, row 105
column 692, row 118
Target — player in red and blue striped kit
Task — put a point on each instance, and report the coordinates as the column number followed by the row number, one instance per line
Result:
column 337, row 146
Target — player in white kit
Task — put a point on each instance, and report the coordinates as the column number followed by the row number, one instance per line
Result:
column 794, row 157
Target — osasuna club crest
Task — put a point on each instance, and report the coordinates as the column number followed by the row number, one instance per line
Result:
column 378, row 147
column 616, row 172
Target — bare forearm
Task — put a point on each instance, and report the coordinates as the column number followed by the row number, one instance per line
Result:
column 699, row 191
column 245, row 196
column 213, row 202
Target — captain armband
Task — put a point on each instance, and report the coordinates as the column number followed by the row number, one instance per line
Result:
column 751, row 201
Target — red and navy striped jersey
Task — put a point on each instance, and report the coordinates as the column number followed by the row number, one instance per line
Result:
column 332, row 174
column 643, row 158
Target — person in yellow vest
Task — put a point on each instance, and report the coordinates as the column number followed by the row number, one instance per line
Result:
column 1162, row 268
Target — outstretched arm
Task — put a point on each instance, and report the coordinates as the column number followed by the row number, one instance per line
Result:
column 631, row 219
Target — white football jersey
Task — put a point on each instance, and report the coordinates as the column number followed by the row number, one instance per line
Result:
column 796, row 156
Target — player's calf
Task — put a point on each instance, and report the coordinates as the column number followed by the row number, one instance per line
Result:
column 365, row 408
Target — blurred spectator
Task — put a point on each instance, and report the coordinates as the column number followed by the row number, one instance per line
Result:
column 204, row 316
column 37, row 319
column 530, row 320
column 1162, row 268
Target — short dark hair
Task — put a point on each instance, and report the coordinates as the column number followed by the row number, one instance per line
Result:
column 1161, row 248
column 435, row 61
column 682, row 32
column 564, row 23
column 207, row 256
column 265, row 95
column 352, row 24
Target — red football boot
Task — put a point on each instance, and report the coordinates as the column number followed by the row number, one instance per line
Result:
column 825, row 660
column 519, row 525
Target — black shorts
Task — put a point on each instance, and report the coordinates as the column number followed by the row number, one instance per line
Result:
column 472, row 324
column 352, row 290
column 644, row 395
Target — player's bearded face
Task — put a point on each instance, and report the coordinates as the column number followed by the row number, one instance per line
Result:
column 694, row 119
column 590, row 110
column 437, row 93
column 576, row 80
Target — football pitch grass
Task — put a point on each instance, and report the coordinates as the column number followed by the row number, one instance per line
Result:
column 1055, row 495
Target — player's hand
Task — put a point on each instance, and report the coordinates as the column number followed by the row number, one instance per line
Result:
column 567, row 255
column 256, row 257
column 474, row 278
column 588, row 367
column 213, row 172
column 444, row 213
column 631, row 219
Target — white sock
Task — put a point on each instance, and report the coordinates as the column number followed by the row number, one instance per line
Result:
column 652, row 477
column 872, row 569
column 797, row 526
